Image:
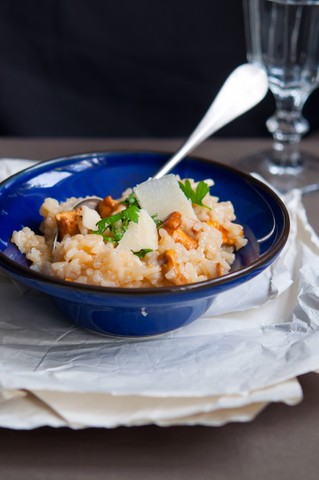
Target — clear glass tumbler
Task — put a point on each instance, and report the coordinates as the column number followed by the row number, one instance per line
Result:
column 283, row 37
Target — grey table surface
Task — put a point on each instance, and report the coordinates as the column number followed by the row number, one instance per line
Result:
column 281, row 443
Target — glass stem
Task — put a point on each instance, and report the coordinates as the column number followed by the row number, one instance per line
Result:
column 287, row 126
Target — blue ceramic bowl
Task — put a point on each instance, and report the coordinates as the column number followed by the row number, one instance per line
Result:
column 146, row 311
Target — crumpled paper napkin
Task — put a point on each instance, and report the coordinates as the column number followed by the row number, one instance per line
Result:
column 227, row 366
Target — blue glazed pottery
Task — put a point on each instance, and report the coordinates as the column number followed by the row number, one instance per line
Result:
column 145, row 311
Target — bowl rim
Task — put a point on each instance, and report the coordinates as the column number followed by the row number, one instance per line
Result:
column 256, row 265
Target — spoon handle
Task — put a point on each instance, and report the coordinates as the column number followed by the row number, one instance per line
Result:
column 243, row 89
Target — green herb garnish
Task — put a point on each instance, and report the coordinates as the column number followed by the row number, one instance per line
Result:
column 143, row 252
column 130, row 200
column 116, row 225
column 157, row 221
column 195, row 196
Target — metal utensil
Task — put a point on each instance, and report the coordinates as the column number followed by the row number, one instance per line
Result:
column 244, row 88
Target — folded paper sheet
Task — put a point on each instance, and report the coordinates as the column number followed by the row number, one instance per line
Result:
column 243, row 354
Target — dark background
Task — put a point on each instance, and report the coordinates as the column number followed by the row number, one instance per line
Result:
column 126, row 68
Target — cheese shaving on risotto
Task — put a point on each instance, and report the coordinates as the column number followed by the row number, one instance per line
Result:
column 162, row 232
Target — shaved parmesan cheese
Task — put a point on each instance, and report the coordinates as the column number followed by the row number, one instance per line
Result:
column 90, row 218
column 163, row 196
column 141, row 235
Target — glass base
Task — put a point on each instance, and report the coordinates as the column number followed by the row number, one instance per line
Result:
column 303, row 176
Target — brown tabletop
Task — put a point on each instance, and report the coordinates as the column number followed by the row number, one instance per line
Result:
column 281, row 443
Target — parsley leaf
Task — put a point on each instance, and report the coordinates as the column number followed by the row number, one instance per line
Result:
column 130, row 200
column 157, row 221
column 195, row 196
column 130, row 214
column 116, row 225
column 143, row 252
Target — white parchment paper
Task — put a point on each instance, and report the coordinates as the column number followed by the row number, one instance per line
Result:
column 244, row 353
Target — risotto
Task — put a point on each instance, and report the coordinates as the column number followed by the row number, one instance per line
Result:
column 162, row 232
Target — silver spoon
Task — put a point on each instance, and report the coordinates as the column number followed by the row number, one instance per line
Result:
column 246, row 86
column 243, row 89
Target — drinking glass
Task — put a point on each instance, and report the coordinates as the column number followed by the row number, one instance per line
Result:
column 283, row 37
